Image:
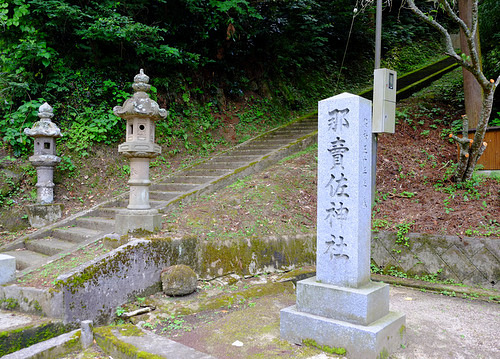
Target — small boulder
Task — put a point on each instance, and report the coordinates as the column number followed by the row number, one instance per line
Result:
column 178, row 280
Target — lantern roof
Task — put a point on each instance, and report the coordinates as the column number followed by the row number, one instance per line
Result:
column 45, row 127
column 140, row 104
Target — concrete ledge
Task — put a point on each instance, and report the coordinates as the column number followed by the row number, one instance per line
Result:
column 376, row 340
column 49, row 349
column 34, row 300
column 31, row 336
column 129, row 342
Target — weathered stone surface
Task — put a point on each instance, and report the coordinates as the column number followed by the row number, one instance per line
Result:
column 41, row 215
column 7, row 268
column 178, row 280
column 376, row 340
column 146, row 220
column 361, row 306
column 87, row 334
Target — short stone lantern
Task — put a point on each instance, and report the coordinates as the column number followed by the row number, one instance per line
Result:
column 140, row 112
column 44, row 159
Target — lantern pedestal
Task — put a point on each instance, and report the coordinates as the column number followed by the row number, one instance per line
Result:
column 129, row 220
column 41, row 215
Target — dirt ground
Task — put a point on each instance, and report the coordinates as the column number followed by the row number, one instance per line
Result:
column 414, row 189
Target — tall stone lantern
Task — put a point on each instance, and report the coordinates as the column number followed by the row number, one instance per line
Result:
column 44, row 159
column 140, row 112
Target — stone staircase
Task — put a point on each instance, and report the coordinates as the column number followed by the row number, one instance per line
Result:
column 59, row 239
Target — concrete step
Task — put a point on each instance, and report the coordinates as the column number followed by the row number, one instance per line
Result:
column 262, row 145
column 173, row 187
column 164, row 196
column 96, row 223
column 206, row 172
column 273, row 142
column 108, row 212
column 236, row 158
column 222, row 165
column 193, row 180
column 249, row 152
column 156, row 204
column 75, row 234
column 26, row 258
column 49, row 246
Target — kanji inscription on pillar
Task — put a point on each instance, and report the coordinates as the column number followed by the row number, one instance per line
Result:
column 344, row 190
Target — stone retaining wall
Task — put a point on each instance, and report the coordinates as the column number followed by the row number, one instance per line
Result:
column 95, row 289
column 472, row 261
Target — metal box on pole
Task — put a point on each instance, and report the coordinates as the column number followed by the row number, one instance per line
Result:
column 384, row 101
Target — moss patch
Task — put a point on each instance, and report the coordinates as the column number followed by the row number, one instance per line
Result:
column 14, row 340
column 111, row 345
column 325, row 348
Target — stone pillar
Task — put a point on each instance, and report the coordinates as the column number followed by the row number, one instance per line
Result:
column 44, row 159
column 140, row 112
column 341, row 307
column 87, row 333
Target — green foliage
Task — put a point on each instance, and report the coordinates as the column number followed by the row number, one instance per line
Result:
column 401, row 235
column 495, row 121
column 14, row 123
column 79, row 57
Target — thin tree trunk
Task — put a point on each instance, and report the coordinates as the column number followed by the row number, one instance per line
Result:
column 472, row 89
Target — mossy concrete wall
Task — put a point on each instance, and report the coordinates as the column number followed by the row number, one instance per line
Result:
column 93, row 291
column 468, row 260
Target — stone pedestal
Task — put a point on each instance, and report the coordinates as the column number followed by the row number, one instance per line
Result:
column 341, row 307
column 356, row 319
column 7, row 268
column 41, row 215
column 129, row 220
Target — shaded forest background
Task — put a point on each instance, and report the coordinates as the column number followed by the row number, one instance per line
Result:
column 202, row 56
column 205, row 58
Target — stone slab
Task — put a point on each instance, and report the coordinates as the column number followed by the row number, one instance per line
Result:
column 376, row 340
column 9, row 320
column 7, row 268
column 361, row 306
column 137, row 220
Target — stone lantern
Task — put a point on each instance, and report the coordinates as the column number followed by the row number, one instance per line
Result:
column 140, row 112
column 44, row 159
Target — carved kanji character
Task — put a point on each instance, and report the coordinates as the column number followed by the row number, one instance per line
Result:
column 336, row 247
column 337, row 119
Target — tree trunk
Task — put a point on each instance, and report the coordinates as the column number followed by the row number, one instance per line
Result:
column 472, row 89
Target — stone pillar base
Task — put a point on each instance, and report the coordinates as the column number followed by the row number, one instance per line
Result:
column 137, row 221
column 356, row 319
column 41, row 215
